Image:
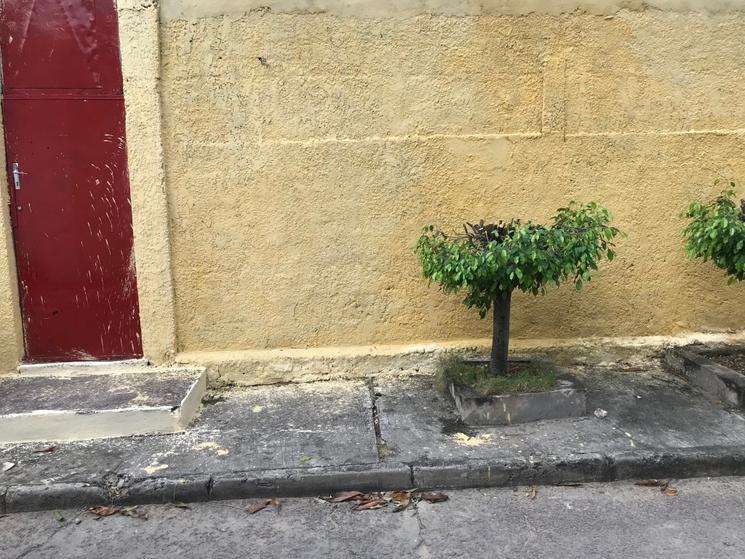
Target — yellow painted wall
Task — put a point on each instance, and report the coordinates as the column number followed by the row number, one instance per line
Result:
column 297, row 187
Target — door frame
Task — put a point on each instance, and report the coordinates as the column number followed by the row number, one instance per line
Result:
column 139, row 44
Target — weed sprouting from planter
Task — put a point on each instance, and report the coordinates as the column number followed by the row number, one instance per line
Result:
column 716, row 232
column 520, row 377
column 489, row 261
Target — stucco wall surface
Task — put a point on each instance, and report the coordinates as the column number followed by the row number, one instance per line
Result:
column 305, row 149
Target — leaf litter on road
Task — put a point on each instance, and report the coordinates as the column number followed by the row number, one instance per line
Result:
column 400, row 499
column 256, row 506
column 435, row 497
column 102, row 511
column 370, row 504
column 662, row 484
column 345, row 496
column 134, row 512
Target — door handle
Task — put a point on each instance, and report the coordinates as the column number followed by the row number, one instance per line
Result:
column 17, row 176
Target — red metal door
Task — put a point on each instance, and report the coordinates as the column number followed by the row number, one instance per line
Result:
column 67, row 165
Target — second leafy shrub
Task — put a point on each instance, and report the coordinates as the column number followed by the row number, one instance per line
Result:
column 716, row 232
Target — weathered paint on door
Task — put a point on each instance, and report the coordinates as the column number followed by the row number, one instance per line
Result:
column 63, row 112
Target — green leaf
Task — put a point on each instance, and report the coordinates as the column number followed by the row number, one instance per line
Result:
column 716, row 232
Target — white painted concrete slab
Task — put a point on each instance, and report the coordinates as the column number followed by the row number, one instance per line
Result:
column 69, row 406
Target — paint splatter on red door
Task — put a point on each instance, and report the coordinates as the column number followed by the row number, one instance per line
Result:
column 63, row 112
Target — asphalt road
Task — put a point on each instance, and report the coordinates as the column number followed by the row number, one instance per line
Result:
column 594, row 521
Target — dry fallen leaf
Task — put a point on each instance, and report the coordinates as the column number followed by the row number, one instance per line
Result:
column 257, row 506
column 401, row 498
column 180, row 505
column 344, row 496
column 372, row 504
column 671, row 492
column 134, row 512
column 102, row 511
column 434, row 497
column 398, row 495
column 57, row 515
column 534, row 492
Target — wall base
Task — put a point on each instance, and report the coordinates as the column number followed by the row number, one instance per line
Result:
column 275, row 366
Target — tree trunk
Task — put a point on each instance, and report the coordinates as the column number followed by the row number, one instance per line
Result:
column 500, row 334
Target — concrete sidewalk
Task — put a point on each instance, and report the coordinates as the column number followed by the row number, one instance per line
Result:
column 386, row 433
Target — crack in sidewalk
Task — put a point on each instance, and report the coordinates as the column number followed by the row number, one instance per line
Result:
column 422, row 548
column 381, row 446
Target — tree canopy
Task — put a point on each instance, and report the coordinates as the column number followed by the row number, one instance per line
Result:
column 487, row 261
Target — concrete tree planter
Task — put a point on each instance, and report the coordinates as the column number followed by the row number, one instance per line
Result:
column 567, row 399
column 700, row 368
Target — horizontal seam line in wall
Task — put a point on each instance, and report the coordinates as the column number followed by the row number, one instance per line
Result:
column 531, row 135
column 704, row 132
column 405, row 138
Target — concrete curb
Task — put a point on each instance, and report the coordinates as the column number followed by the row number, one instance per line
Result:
column 303, row 482
column 718, row 382
column 546, row 471
column 192, row 489
column 28, row 498
column 681, row 463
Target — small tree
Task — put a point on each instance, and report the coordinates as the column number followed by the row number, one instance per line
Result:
column 490, row 261
column 716, row 232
